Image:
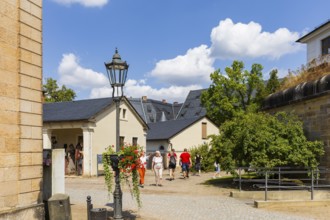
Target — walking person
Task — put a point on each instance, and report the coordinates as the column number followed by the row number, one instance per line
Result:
column 172, row 158
column 217, row 169
column 79, row 159
column 185, row 160
column 198, row 163
column 142, row 168
column 157, row 167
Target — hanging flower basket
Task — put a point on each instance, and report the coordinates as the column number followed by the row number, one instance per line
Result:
column 126, row 162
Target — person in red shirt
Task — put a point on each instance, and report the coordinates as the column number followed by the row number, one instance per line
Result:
column 185, row 160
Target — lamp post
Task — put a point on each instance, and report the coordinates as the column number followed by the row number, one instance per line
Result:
column 117, row 74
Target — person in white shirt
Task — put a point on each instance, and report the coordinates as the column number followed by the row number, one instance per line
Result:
column 157, row 167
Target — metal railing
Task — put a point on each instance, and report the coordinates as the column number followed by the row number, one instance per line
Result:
column 287, row 178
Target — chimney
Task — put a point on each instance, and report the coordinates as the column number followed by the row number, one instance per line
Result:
column 164, row 101
column 144, row 98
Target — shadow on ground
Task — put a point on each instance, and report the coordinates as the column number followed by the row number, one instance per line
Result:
column 127, row 214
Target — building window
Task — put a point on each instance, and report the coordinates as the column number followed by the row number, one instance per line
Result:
column 134, row 141
column 326, row 46
column 124, row 113
column 161, row 148
column 121, row 141
column 204, row 130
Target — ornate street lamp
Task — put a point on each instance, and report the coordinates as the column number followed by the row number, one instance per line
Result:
column 117, row 74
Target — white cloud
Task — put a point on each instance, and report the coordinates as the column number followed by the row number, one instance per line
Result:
column 193, row 67
column 72, row 74
column 232, row 41
column 137, row 89
column 85, row 3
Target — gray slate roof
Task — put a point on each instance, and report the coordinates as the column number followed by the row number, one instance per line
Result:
column 192, row 107
column 153, row 110
column 75, row 110
column 167, row 129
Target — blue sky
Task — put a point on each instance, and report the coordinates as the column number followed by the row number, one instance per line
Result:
column 171, row 46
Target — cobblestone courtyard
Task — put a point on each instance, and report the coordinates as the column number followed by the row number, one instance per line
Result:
column 178, row 199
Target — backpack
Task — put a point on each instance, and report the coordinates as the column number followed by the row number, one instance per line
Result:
column 172, row 160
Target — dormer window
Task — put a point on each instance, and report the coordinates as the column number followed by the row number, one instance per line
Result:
column 326, row 46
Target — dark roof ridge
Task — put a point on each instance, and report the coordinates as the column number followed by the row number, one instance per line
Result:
column 314, row 30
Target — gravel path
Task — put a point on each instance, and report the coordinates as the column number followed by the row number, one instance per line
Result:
column 179, row 199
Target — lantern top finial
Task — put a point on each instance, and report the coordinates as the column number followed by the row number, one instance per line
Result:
column 116, row 56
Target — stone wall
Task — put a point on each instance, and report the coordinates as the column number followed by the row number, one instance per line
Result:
column 20, row 109
column 315, row 113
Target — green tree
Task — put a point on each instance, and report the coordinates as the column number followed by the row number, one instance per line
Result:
column 273, row 84
column 208, row 159
column 240, row 91
column 264, row 140
column 55, row 94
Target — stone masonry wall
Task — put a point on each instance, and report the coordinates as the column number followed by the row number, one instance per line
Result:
column 20, row 108
column 315, row 113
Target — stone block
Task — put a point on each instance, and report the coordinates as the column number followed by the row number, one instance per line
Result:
column 31, row 107
column 8, row 9
column 30, row 172
column 29, row 145
column 9, row 131
column 37, row 158
column 30, row 20
column 9, row 117
column 25, row 199
column 36, row 133
column 11, row 173
column 8, row 64
column 31, row 70
column 30, row 119
column 30, row 57
column 30, row 82
column 8, row 160
column 8, row 103
column 11, row 201
column 25, row 186
column 30, row 33
column 29, row 94
column 31, row 8
column 37, row 2
column 2, row 175
column 8, row 77
column 8, row 188
column 8, row 38
column 30, row 45
column 9, row 24
column 2, row 203
column 6, row 46
column 36, row 184
column 26, row 132
column 28, row 198
column 12, row 145
column 25, row 159
column 8, row 90
column 37, row 108
column 2, row 144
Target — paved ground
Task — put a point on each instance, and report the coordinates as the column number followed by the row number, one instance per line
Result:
column 179, row 199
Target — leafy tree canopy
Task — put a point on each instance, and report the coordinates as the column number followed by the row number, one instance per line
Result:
column 264, row 140
column 239, row 91
column 55, row 94
column 273, row 84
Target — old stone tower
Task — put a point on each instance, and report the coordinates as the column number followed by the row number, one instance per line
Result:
column 21, row 109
